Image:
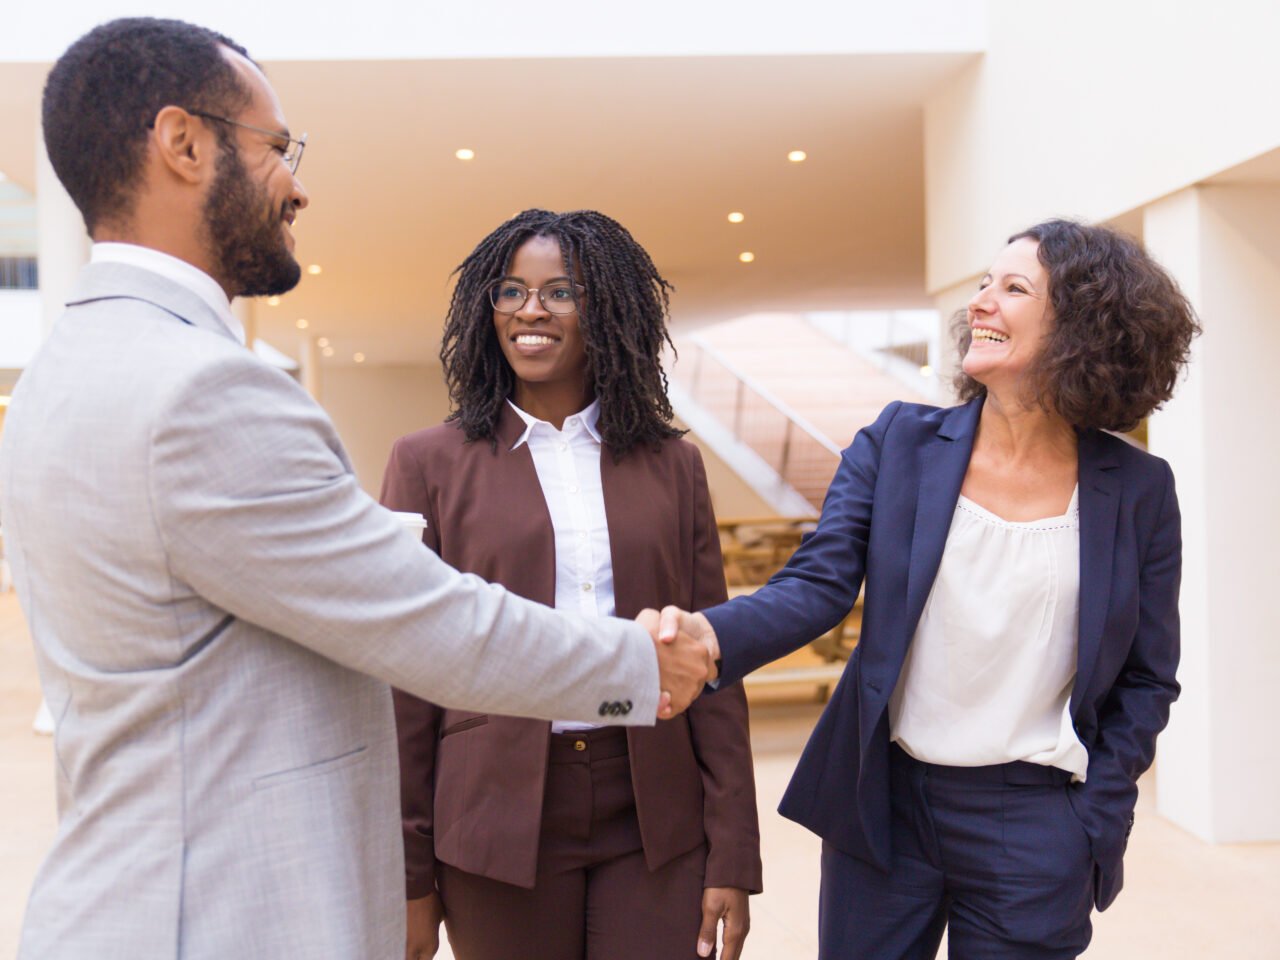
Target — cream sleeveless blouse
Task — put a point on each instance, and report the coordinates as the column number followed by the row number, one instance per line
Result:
column 989, row 674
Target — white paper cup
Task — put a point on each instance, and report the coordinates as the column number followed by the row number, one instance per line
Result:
column 413, row 523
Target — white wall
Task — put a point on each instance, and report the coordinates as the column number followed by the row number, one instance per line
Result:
column 1219, row 768
column 411, row 29
column 373, row 406
column 1091, row 109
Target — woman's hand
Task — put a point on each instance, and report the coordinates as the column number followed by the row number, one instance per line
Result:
column 423, row 923
column 727, row 904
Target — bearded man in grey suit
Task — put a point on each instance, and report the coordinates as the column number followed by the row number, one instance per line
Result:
column 217, row 609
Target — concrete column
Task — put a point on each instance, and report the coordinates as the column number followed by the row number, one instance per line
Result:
column 1218, row 770
column 62, row 244
column 948, row 302
column 309, row 361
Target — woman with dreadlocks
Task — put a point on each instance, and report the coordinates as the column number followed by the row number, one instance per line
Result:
column 560, row 476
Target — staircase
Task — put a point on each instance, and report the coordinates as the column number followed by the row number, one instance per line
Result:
column 778, row 399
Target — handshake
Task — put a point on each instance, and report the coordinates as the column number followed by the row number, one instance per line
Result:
column 688, row 655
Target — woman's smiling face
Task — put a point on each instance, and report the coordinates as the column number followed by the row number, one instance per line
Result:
column 541, row 347
column 1009, row 317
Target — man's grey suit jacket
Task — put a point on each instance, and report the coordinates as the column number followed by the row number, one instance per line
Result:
column 217, row 611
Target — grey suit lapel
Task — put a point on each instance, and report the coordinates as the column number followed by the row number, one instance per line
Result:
column 121, row 281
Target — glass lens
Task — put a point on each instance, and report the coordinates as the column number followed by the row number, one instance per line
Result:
column 294, row 157
column 507, row 296
column 558, row 298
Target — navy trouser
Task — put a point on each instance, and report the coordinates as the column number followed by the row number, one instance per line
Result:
column 994, row 854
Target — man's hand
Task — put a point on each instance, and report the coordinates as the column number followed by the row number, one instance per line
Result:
column 423, row 923
column 673, row 621
column 727, row 904
column 684, row 667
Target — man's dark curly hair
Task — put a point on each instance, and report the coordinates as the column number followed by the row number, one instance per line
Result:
column 1121, row 329
column 623, row 319
column 103, row 94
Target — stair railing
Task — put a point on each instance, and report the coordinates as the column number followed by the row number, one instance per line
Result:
column 800, row 453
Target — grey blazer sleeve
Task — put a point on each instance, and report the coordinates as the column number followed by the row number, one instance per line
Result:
column 261, row 515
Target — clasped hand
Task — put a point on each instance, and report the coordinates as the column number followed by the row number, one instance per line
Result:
column 687, row 654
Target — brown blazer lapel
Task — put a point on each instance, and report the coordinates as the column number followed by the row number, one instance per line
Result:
column 616, row 480
column 516, row 495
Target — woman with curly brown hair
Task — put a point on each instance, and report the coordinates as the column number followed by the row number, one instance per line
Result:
column 976, row 769
column 561, row 477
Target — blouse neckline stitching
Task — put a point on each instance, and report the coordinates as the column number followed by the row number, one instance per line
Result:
column 1066, row 521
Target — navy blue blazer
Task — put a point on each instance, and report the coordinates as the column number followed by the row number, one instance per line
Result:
column 885, row 520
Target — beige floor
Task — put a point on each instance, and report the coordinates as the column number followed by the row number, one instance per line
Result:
column 1184, row 898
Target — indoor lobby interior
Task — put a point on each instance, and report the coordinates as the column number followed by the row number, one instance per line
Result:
column 824, row 185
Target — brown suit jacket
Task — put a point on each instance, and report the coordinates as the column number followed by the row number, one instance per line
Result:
column 472, row 784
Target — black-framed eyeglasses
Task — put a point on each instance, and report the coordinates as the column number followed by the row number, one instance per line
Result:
column 292, row 155
column 561, row 297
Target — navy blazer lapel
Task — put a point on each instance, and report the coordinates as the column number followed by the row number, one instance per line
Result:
column 944, row 460
column 1099, row 502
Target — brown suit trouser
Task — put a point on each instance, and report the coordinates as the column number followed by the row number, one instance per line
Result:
column 594, row 897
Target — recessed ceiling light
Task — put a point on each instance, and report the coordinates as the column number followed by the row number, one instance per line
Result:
column 926, row 370
column 797, row 156
column 314, row 269
column 737, row 217
column 465, row 154
column 746, row 256
column 302, row 324
column 4, row 401
column 322, row 342
column 358, row 358
column 327, row 351
column 273, row 301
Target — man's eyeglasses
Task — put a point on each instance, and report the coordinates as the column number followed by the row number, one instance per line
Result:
column 561, row 297
column 292, row 155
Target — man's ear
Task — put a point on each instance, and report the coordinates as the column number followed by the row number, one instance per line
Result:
column 183, row 144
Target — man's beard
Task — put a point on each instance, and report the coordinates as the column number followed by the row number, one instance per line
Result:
column 245, row 235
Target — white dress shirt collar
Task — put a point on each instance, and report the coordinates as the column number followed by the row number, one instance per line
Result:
column 584, row 420
column 179, row 271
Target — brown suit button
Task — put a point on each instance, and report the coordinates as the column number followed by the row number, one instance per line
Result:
column 579, row 745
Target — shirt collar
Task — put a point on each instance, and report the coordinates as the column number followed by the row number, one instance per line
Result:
column 588, row 418
column 171, row 268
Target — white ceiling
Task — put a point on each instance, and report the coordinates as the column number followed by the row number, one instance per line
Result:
column 668, row 146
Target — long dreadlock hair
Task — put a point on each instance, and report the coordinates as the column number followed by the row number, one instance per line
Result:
column 623, row 320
